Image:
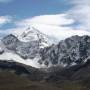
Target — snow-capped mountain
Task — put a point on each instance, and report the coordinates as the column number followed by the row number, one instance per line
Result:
column 24, row 47
column 33, row 48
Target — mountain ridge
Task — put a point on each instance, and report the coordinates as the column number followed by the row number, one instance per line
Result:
column 68, row 52
column 32, row 47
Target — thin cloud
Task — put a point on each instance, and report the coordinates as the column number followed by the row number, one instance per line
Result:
column 5, row 19
column 51, row 25
column 55, row 20
column 80, row 12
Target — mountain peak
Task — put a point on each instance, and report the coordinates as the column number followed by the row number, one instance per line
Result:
column 32, row 34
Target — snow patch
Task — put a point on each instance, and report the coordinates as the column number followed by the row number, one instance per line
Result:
column 16, row 58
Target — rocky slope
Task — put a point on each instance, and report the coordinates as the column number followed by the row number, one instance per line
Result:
column 71, row 51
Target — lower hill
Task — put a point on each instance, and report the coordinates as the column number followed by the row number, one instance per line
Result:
column 16, row 76
column 12, row 81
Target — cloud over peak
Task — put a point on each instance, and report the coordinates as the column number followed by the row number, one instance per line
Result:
column 53, row 20
column 75, row 21
column 56, row 26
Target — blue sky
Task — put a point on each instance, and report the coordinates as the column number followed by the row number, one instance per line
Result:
column 29, row 8
column 54, row 15
column 21, row 9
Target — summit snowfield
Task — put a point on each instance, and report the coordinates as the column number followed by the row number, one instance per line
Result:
column 32, row 34
column 24, row 46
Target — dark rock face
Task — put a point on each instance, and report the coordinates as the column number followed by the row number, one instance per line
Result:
column 24, row 49
column 10, row 41
column 73, row 50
